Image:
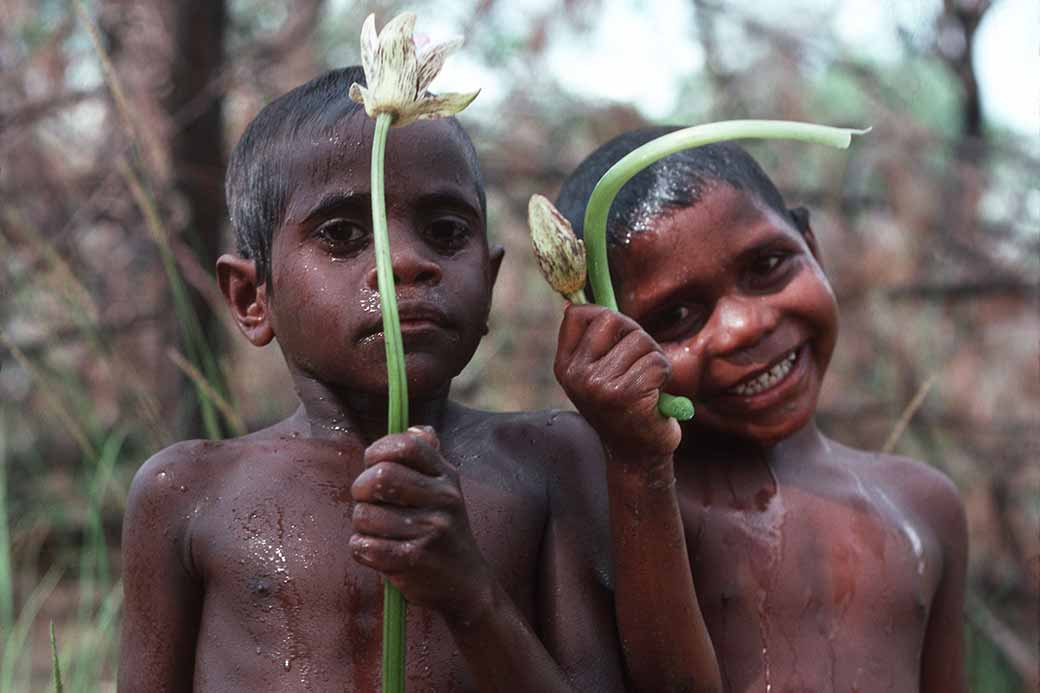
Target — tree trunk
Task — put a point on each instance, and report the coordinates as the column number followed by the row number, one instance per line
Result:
column 194, row 108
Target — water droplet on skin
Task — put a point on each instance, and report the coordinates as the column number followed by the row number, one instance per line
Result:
column 162, row 476
column 183, row 488
column 258, row 649
column 287, row 665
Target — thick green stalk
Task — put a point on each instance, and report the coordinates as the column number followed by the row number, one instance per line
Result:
column 397, row 416
column 620, row 173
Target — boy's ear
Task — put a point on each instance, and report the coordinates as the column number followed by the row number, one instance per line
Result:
column 245, row 297
column 800, row 217
column 495, row 255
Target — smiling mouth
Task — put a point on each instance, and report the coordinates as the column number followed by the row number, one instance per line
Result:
column 767, row 379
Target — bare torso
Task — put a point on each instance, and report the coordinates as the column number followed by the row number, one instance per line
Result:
column 264, row 525
column 815, row 575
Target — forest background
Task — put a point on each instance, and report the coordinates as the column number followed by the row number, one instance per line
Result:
column 116, row 118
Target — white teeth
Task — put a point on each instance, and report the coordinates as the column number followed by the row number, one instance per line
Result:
column 768, row 379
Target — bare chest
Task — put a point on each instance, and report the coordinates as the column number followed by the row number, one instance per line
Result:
column 810, row 592
column 285, row 602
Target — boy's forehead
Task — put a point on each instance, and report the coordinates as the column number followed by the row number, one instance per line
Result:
column 726, row 216
column 426, row 154
column 722, row 225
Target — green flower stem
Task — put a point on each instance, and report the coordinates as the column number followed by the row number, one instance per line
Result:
column 620, row 173
column 397, row 416
column 577, row 298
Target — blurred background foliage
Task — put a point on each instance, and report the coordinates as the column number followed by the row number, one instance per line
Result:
column 116, row 117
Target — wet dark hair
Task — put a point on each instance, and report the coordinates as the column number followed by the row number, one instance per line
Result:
column 678, row 180
column 257, row 182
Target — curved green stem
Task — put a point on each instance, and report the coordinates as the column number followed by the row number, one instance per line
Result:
column 620, row 173
column 397, row 416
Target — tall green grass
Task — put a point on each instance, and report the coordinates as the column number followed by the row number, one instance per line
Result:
column 88, row 656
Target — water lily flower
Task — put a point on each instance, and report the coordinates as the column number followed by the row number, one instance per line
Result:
column 399, row 70
column 558, row 250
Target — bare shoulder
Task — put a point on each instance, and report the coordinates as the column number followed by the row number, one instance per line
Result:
column 921, row 488
column 561, row 442
column 164, row 481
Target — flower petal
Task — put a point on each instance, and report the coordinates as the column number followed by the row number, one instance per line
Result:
column 369, row 48
column 358, row 93
column 397, row 64
column 431, row 60
column 399, row 28
column 436, row 106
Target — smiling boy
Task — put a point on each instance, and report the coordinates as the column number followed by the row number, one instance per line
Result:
column 255, row 564
column 813, row 566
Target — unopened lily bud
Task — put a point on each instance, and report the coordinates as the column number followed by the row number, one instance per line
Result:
column 398, row 72
column 560, row 253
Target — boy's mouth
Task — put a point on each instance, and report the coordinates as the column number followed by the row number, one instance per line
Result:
column 414, row 317
column 767, row 378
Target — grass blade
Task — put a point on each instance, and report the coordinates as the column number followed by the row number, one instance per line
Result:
column 6, row 574
column 55, row 665
column 15, row 644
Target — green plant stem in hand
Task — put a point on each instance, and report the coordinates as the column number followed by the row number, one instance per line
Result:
column 620, row 173
column 397, row 416
column 577, row 298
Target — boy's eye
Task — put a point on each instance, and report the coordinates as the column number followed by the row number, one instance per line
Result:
column 768, row 269
column 342, row 236
column 674, row 322
column 448, row 234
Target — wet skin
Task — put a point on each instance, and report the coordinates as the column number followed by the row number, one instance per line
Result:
column 256, row 564
column 816, row 567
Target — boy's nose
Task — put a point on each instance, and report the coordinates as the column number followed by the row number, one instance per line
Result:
column 740, row 323
column 410, row 266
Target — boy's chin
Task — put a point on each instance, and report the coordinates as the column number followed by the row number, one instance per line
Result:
column 764, row 433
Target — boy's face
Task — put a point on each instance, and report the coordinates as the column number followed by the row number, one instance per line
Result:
column 324, row 304
column 739, row 303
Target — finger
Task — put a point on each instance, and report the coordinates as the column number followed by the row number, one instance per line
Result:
column 409, row 449
column 425, row 434
column 576, row 320
column 625, row 354
column 388, row 556
column 602, row 335
column 394, row 522
column 647, row 375
column 395, row 484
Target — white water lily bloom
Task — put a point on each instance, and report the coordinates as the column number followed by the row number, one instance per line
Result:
column 559, row 251
column 398, row 73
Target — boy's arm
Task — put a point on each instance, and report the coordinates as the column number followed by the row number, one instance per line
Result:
column 575, row 598
column 666, row 642
column 942, row 657
column 613, row 372
column 411, row 525
column 162, row 601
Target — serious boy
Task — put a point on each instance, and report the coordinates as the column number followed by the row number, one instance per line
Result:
column 256, row 564
column 817, row 567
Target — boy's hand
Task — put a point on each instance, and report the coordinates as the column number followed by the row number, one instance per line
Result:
column 410, row 523
column 613, row 372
